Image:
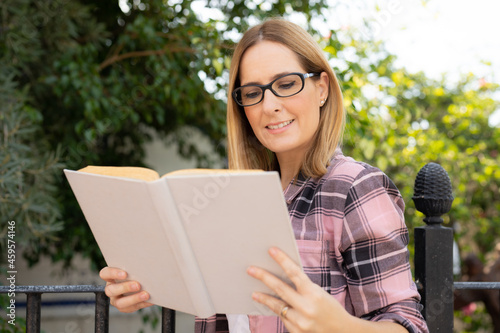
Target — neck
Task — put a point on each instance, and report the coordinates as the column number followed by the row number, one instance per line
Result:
column 289, row 168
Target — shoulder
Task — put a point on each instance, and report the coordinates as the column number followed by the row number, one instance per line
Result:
column 354, row 180
column 346, row 170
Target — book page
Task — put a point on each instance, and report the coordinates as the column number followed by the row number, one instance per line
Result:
column 151, row 175
column 183, row 172
column 124, row 172
column 232, row 220
column 129, row 233
column 181, row 248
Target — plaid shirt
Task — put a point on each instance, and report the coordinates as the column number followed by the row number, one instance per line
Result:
column 352, row 239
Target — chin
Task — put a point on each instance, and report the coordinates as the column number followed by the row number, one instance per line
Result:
column 283, row 149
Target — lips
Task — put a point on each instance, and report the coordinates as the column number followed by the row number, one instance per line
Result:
column 280, row 125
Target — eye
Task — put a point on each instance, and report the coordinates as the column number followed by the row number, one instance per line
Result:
column 287, row 83
column 284, row 85
column 252, row 93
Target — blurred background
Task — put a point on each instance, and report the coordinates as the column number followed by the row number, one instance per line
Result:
column 143, row 83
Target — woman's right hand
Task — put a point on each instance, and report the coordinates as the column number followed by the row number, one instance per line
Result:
column 135, row 298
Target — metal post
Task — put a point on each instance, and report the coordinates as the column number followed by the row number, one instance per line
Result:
column 33, row 312
column 434, row 247
column 101, row 313
column 167, row 320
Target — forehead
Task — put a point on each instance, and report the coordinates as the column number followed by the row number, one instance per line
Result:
column 262, row 61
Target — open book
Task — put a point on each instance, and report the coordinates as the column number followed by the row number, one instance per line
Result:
column 188, row 237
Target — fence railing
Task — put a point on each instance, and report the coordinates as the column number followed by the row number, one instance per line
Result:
column 34, row 304
column 434, row 251
column 433, row 266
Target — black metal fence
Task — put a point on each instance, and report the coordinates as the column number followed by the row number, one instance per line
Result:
column 433, row 265
column 434, row 251
column 34, row 304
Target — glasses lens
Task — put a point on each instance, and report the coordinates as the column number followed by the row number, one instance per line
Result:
column 248, row 95
column 288, row 85
column 285, row 86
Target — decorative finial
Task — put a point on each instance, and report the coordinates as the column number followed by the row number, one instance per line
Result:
column 433, row 193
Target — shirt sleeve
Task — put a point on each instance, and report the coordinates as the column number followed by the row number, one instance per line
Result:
column 374, row 249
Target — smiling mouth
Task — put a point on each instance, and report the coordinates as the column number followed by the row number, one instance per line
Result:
column 283, row 124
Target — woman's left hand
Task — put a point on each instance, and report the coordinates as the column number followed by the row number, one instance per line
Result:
column 308, row 308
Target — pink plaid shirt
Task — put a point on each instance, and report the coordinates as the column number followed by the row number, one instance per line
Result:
column 352, row 239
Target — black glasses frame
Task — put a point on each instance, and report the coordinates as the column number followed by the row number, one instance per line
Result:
column 269, row 86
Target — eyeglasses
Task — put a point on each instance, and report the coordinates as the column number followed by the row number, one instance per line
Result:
column 284, row 86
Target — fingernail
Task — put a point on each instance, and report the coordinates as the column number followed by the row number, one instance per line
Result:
column 136, row 286
column 122, row 275
column 273, row 251
column 144, row 296
column 251, row 270
column 255, row 297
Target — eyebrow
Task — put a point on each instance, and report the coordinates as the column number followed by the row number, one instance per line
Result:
column 275, row 76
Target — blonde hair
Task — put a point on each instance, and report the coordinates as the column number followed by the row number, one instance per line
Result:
column 244, row 149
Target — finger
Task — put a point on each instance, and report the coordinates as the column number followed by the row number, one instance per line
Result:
column 135, row 307
column 288, row 316
column 274, row 304
column 110, row 274
column 291, row 269
column 282, row 289
column 132, row 302
column 118, row 289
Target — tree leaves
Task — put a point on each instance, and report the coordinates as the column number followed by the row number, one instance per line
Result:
column 100, row 81
column 27, row 171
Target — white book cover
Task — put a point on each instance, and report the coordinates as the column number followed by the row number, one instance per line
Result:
column 189, row 239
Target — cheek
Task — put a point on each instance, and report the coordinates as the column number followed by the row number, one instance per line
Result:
column 252, row 118
column 314, row 125
column 314, row 115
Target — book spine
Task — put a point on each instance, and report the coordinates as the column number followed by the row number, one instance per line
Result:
column 181, row 247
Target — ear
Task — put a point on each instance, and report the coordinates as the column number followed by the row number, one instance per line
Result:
column 323, row 84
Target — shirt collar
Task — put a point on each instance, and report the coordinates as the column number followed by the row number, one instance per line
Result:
column 295, row 187
column 297, row 184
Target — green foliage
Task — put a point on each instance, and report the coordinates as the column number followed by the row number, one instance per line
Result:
column 104, row 80
column 152, row 318
column 16, row 326
column 400, row 121
column 87, row 83
column 26, row 185
column 28, row 172
column 478, row 321
column 10, row 322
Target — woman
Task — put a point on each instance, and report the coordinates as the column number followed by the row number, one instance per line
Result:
column 285, row 113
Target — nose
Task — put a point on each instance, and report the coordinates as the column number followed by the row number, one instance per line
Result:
column 271, row 102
